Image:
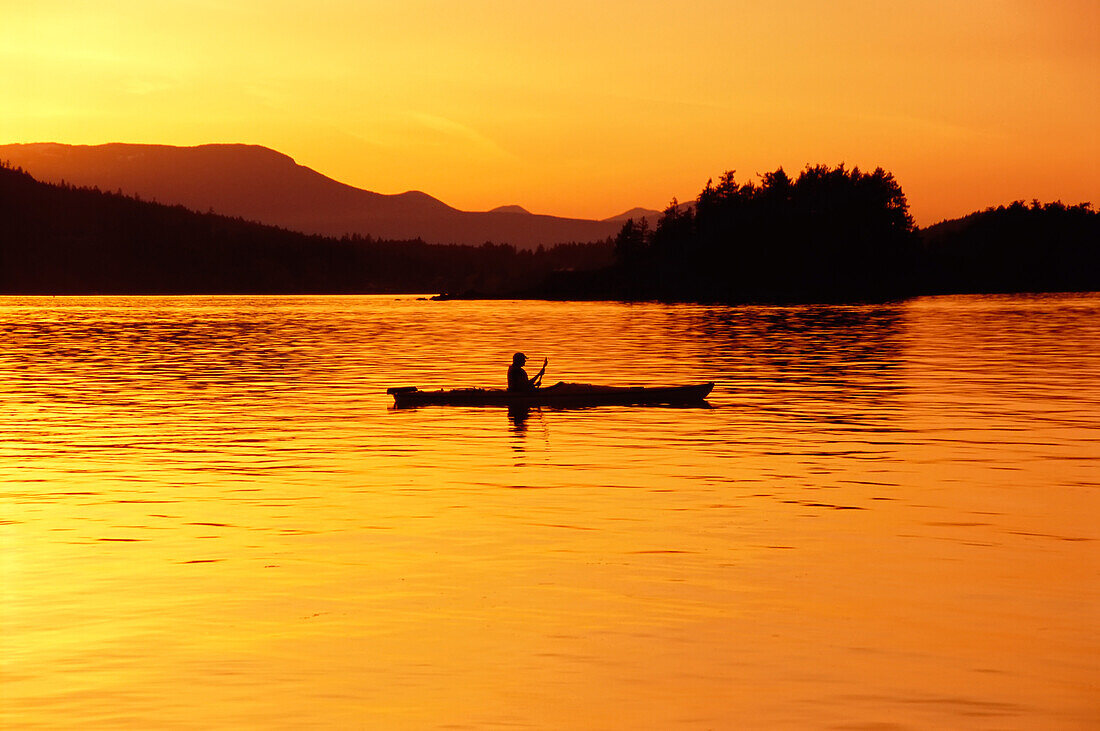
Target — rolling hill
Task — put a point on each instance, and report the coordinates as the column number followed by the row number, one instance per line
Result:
column 60, row 239
column 260, row 184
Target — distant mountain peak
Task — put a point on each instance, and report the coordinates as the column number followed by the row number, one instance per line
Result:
column 510, row 209
column 637, row 214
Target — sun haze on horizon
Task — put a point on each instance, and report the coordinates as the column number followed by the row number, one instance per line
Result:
column 581, row 109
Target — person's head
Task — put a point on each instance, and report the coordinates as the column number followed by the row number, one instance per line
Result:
column 519, row 359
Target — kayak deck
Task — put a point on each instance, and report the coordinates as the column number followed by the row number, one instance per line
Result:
column 562, row 394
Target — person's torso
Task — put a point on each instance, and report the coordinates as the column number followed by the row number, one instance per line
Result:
column 517, row 378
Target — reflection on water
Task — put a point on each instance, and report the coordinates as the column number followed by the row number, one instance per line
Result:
column 843, row 358
column 518, row 416
column 211, row 516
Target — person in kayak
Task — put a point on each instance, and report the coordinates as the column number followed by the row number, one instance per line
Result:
column 517, row 377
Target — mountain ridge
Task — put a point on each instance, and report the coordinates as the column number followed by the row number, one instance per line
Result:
column 636, row 213
column 264, row 185
column 65, row 239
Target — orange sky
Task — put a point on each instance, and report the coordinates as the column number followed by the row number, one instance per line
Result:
column 581, row 108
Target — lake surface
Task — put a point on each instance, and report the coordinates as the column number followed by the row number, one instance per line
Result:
column 211, row 517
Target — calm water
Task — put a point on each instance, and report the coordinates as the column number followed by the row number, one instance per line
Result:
column 210, row 516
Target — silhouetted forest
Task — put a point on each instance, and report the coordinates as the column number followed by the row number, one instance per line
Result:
column 1016, row 248
column 831, row 234
column 56, row 239
column 837, row 234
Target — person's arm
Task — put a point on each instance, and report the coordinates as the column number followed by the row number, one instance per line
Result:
column 537, row 380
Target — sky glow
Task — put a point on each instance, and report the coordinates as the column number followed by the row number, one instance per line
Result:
column 581, row 108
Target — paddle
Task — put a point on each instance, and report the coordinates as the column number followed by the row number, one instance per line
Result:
column 537, row 380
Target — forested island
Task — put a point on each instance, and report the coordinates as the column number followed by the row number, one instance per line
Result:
column 837, row 234
column 829, row 234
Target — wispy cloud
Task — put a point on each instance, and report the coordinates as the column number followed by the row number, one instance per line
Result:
column 458, row 131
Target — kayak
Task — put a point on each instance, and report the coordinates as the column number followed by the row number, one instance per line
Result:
column 561, row 394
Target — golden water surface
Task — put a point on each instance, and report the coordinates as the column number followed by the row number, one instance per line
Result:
column 211, row 517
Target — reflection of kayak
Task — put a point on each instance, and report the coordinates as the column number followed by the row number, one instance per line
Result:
column 561, row 394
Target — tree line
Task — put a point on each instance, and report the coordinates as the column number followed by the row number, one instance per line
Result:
column 829, row 234
column 59, row 239
column 839, row 234
column 1021, row 247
